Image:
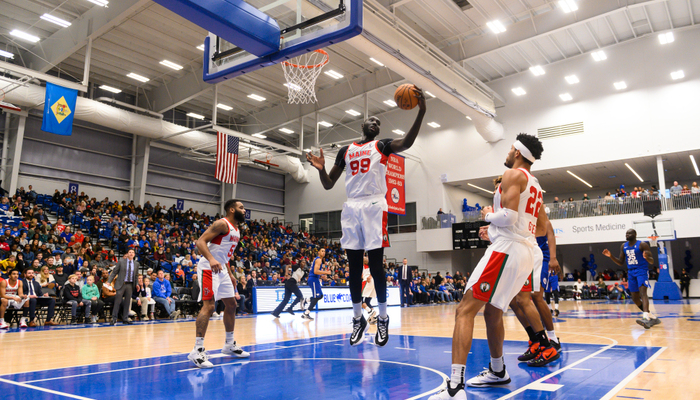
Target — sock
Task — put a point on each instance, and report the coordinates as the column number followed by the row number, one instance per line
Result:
column 552, row 336
column 457, row 375
column 556, row 306
column 382, row 310
column 645, row 315
column 199, row 343
column 497, row 364
column 357, row 310
column 229, row 337
column 530, row 334
column 541, row 338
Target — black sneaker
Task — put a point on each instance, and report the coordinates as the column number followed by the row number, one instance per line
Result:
column 275, row 315
column 655, row 321
column 646, row 323
column 382, row 336
column 531, row 352
column 306, row 316
column 289, row 310
column 556, row 312
column 544, row 357
column 556, row 345
column 359, row 326
column 449, row 393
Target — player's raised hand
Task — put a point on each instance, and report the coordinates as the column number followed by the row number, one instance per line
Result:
column 418, row 92
column 486, row 210
column 317, row 162
column 606, row 253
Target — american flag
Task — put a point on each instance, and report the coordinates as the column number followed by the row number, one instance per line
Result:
column 226, row 158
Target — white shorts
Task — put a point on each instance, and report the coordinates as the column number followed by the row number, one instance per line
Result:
column 534, row 281
column 368, row 289
column 16, row 305
column 364, row 223
column 500, row 274
column 214, row 286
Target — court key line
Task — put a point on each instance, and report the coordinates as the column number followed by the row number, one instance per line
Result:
column 41, row 389
column 636, row 372
column 442, row 375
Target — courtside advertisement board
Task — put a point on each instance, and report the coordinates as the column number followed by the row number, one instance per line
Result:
column 268, row 298
column 395, row 184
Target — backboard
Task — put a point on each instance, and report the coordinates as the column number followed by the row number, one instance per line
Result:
column 304, row 26
column 663, row 227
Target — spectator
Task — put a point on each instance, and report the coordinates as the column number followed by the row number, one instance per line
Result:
column 46, row 280
column 578, row 289
column 161, row 294
column 36, row 298
column 91, row 293
column 72, row 295
column 60, row 278
column 695, row 189
column 616, row 292
column 685, row 283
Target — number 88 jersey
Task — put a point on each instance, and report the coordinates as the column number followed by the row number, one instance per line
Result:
column 529, row 205
column 365, row 168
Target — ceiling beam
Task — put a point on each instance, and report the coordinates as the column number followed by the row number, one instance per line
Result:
column 94, row 23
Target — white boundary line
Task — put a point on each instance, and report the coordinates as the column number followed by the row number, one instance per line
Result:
column 636, row 372
column 41, row 389
column 442, row 375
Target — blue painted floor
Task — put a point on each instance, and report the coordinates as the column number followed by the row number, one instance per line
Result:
column 409, row 367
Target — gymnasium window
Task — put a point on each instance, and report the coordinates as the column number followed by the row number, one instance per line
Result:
column 403, row 223
column 327, row 224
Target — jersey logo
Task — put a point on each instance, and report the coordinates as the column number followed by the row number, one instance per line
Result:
column 206, row 291
column 527, row 282
column 485, row 287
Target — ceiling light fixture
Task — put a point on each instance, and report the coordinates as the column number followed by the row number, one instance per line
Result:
column 665, row 38
column 599, row 55
column 333, row 74
column 537, row 70
column 194, row 115
column 101, row 3
column 433, row 124
column 429, row 94
column 307, row 150
column 519, row 91
column 565, row 97
column 24, row 36
column 376, row 62
column 577, row 177
column 286, row 130
column 677, row 74
column 480, row 188
column 496, row 26
column 400, row 132
column 110, row 89
column 171, row 64
column 293, row 86
column 390, row 103
column 353, row 113
column 568, row 6
column 137, row 77
column 260, row 135
column 620, row 85
column 469, row 118
column 571, row 79
column 224, row 107
column 6, row 54
column 200, row 47
column 326, row 124
column 692, row 159
column 634, row 172
column 256, row 97
column 55, row 20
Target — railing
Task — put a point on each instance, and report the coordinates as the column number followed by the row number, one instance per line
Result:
column 433, row 221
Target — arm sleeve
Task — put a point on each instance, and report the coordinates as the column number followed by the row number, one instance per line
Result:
column 384, row 146
column 340, row 158
column 503, row 217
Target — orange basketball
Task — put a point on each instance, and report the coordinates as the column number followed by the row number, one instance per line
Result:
column 405, row 97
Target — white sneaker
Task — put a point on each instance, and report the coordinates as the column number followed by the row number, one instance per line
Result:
column 215, row 315
column 234, row 350
column 4, row 325
column 23, row 323
column 94, row 319
column 449, row 393
column 200, row 358
column 489, row 378
column 372, row 320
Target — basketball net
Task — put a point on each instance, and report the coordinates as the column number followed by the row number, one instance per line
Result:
column 301, row 73
column 653, row 241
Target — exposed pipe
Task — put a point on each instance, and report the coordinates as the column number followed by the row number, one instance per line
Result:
column 127, row 105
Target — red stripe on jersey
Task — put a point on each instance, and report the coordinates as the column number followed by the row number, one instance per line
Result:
column 527, row 175
column 484, row 287
column 527, row 287
column 385, row 233
column 207, row 289
column 384, row 159
column 217, row 240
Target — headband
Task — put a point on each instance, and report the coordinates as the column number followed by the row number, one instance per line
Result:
column 524, row 151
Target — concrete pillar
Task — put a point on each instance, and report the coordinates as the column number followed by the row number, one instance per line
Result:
column 662, row 175
column 6, row 135
column 140, row 165
column 228, row 192
column 15, row 139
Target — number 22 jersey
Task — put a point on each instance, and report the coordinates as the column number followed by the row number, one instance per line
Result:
column 365, row 168
column 529, row 205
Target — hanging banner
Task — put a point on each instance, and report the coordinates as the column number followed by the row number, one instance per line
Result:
column 395, row 184
column 59, row 110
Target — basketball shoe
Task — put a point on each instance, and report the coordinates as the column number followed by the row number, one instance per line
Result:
column 200, row 358
column 359, row 326
column 307, row 316
column 449, row 393
column 382, row 336
column 531, row 351
column 23, row 322
column 372, row 320
column 233, row 350
column 646, row 323
column 488, row 377
column 4, row 325
column 544, row 356
column 655, row 321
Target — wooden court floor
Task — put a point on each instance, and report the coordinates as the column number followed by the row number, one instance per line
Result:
column 671, row 375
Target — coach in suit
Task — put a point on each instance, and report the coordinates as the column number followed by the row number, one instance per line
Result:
column 125, row 273
column 32, row 289
column 405, row 278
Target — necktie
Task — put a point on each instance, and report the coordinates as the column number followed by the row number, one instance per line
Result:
column 128, row 271
column 31, row 287
column 404, row 272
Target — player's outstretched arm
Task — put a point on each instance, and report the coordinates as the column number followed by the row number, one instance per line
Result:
column 406, row 142
column 319, row 162
column 213, row 231
column 646, row 252
column 619, row 261
column 552, row 242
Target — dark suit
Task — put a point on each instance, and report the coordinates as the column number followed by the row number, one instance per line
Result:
column 126, row 278
column 405, row 278
column 35, row 289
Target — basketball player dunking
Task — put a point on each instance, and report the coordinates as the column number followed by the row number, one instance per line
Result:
column 215, row 278
column 507, row 263
column 364, row 215
column 637, row 255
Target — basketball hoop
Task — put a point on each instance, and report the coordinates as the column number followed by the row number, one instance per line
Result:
column 653, row 241
column 301, row 73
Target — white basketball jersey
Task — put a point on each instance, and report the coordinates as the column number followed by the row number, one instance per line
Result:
column 365, row 170
column 11, row 290
column 365, row 272
column 222, row 247
column 529, row 206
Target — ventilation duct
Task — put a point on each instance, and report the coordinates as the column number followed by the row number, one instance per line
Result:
column 560, row 131
column 124, row 121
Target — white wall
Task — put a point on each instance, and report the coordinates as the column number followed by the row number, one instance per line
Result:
column 48, row 186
